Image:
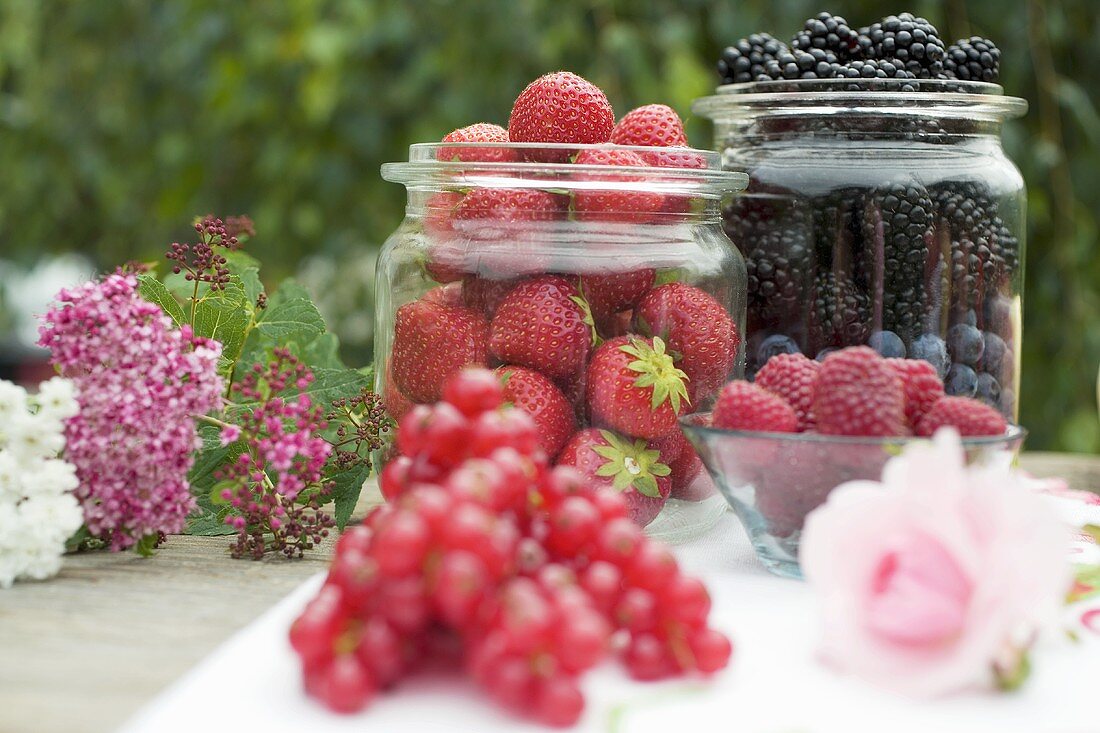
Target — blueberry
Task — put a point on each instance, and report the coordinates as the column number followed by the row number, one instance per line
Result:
column 932, row 349
column 970, row 318
column 988, row 390
column 825, row 352
column 887, row 343
column 993, row 356
column 773, row 345
column 965, row 344
column 961, row 381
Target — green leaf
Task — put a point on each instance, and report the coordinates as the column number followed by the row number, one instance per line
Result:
column 291, row 316
column 210, row 524
column 155, row 292
column 225, row 315
column 322, row 352
column 347, row 486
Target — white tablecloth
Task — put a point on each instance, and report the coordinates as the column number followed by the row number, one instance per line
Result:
column 774, row 684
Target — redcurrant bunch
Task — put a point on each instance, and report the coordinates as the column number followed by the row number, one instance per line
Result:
column 531, row 574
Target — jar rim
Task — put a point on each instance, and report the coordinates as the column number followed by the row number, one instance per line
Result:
column 949, row 98
column 429, row 164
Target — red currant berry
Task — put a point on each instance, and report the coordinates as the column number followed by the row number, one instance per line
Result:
column 618, row 541
column 380, row 651
column 394, row 478
column 357, row 575
column 582, row 639
column 431, row 503
column 636, row 610
column 473, row 391
column 404, row 603
column 604, row 583
column 462, row 582
column 401, row 543
column 447, row 436
column 610, row 504
column 313, row 633
column 345, row 687
column 687, row 600
column 357, row 537
column 412, row 430
column 574, row 524
column 479, row 480
column 507, row 428
column 557, row 701
column 647, row 658
column 510, row 682
column 653, row 567
column 711, row 650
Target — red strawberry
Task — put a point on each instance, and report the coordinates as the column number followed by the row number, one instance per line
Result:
column 445, row 260
column 745, row 406
column 482, row 132
column 791, row 376
column 561, row 108
column 654, row 125
column 543, row 324
column 686, row 467
column 396, row 404
column 431, row 341
column 484, row 294
column 500, row 221
column 613, row 203
column 635, row 388
column 697, row 328
column 575, row 390
column 858, row 393
column 609, row 294
column 968, row 416
column 922, row 387
column 450, row 294
column 544, row 402
column 616, row 463
column 674, row 158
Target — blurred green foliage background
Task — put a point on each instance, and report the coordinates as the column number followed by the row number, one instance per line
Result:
column 120, row 120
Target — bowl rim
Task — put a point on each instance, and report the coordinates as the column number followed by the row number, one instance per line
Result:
column 1013, row 434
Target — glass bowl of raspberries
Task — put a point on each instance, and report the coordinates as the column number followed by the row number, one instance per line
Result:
column 777, row 446
column 882, row 209
column 583, row 260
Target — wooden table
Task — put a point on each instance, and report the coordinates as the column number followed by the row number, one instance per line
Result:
column 85, row 650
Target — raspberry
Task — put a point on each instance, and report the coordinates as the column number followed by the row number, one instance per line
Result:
column 792, row 376
column 858, row 393
column 922, row 387
column 968, row 416
column 744, row 406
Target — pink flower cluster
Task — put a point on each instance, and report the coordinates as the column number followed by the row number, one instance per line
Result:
column 277, row 491
column 139, row 383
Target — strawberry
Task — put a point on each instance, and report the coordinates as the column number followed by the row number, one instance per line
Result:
column 544, row 402
column 968, row 416
column 745, row 406
column 698, row 329
column 561, row 108
column 482, row 132
column 617, row 463
column 484, row 294
column 609, row 294
column 679, row 455
column 792, row 376
column 543, row 324
column 500, row 222
column 858, row 393
column 654, row 125
column 449, row 294
column 445, row 259
column 922, row 386
column 431, row 341
column 634, row 387
column 396, row 404
column 613, row 203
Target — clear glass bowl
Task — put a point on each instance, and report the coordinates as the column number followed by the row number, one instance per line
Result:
column 882, row 212
column 774, row 480
column 485, row 219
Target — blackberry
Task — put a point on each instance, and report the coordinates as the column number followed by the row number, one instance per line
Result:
column 897, row 234
column 744, row 61
column 973, row 59
column 878, row 69
column 816, row 63
column 913, row 42
column 841, row 313
column 830, row 33
column 773, row 234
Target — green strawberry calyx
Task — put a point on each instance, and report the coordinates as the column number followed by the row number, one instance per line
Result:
column 657, row 369
column 589, row 320
column 630, row 464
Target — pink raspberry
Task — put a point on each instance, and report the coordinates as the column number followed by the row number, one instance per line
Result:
column 922, row 387
column 792, row 377
column 858, row 393
column 744, row 406
column 969, row 417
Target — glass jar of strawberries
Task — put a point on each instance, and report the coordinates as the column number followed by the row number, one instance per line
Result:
column 594, row 278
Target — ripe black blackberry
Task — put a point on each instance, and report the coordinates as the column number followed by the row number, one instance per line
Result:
column 897, row 229
column 841, row 312
column 973, row 59
column 912, row 42
column 816, row 63
column 879, row 69
column 773, row 232
column 830, row 33
column 744, row 61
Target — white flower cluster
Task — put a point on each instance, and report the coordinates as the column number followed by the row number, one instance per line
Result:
column 38, row 511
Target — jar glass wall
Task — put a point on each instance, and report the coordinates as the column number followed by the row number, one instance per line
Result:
column 512, row 258
column 879, row 212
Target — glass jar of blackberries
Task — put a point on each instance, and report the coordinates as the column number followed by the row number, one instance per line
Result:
column 881, row 212
column 596, row 280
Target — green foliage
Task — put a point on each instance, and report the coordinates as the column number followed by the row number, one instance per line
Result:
column 118, row 120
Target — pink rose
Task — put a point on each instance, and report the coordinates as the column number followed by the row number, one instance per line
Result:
column 934, row 576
